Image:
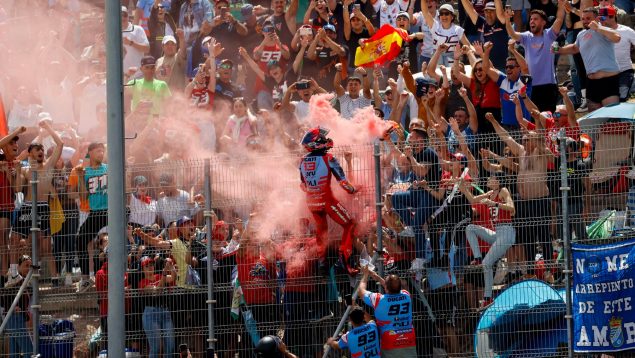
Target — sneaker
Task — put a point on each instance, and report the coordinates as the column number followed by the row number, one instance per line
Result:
column 84, row 285
column 583, row 108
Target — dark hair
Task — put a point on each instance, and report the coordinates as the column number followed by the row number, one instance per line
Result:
column 512, row 58
column 393, row 284
column 24, row 258
column 95, row 145
column 539, row 13
column 357, row 315
column 461, row 108
column 35, row 145
column 592, row 10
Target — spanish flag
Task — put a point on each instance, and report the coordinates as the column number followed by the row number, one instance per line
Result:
column 380, row 48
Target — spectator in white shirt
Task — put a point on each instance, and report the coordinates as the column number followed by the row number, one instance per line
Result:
column 174, row 203
column 143, row 209
column 135, row 42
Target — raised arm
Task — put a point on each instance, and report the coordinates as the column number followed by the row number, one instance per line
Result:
column 471, row 110
column 500, row 14
column 522, row 63
column 252, row 64
column 337, row 80
column 469, row 10
column 59, row 145
column 376, row 95
column 290, row 15
column 431, row 70
column 309, row 10
column 557, row 25
column 347, row 19
column 462, row 77
column 300, row 56
column 487, row 66
column 516, row 148
column 365, row 82
column 9, row 137
column 429, row 20
column 607, row 32
column 312, row 54
column 508, row 26
column 571, row 118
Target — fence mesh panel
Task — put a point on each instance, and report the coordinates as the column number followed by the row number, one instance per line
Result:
column 455, row 240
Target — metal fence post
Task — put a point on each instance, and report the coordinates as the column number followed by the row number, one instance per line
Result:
column 210, row 261
column 378, row 206
column 35, row 235
column 564, row 189
column 117, row 262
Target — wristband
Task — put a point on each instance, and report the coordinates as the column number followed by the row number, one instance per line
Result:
column 365, row 75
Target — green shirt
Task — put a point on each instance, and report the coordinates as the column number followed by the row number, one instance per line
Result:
column 155, row 92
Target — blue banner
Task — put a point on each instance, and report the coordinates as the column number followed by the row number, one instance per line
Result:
column 603, row 291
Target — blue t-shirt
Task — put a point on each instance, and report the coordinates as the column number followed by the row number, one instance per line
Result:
column 506, row 89
column 362, row 341
column 539, row 57
column 97, row 186
column 394, row 318
column 453, row 141
column 598, row 53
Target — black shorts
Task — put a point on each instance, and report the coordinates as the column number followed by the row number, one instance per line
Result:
column 22, row 224
column 444, row 304
column 602, row 88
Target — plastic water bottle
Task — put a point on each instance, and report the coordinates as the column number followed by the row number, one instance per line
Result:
column 365, row 261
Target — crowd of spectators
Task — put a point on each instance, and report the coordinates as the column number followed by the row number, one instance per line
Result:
column 470, row 161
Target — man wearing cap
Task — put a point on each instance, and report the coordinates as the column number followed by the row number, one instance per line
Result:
column 596, row 44
column 490, row 29
column 148, row 93
column 622, row 51
column 325, row 50
column 93, row 186
column 537, row 43
column 227, row 30
column 160, row 24
column 225, row 90
column 171, row 66
column 134, row 39
column 173, row 203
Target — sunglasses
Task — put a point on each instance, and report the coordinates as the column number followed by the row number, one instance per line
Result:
column 445, row 13
column 225, row 66
column 480, row 69
column 510, row 67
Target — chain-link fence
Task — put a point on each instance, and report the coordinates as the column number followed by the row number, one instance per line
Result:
column 472, row 225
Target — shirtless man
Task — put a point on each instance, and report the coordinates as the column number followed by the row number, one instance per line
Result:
column 533, row 210
column 8, row 175
column 44, row 169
